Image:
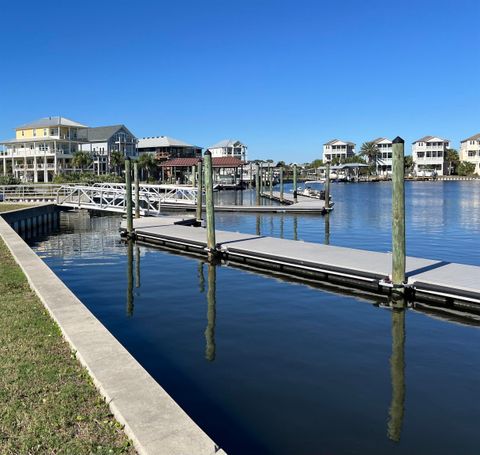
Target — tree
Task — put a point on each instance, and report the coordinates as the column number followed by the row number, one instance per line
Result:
column 316, row 163
column 82, row 160
column 370, row 151
column 466, row 168
column 408, row 163
column 117, row 161
column 147, row 162
column 452, row 160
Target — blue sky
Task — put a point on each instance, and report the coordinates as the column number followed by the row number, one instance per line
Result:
column 282, row 76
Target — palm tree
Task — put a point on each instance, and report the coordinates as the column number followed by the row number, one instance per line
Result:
column 370, row 151
column 82, row 160
column 117, row 161
column 147, row 162
column 452, row 160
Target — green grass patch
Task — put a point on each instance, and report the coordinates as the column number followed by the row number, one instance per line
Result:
column 5, row 207
column 48, row 403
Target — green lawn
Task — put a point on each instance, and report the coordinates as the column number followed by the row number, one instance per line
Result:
column 5, row 207
column 48, row 403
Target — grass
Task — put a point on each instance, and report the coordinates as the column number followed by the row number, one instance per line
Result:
column 48, row 403
column 5, row 207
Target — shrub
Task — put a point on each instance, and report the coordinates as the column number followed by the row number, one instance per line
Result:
column 466, row 168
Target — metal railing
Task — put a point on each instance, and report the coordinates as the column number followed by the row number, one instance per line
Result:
column 28, row 192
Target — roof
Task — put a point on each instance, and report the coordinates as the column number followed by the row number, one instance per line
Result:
column 162, row 141
column 429, row 138
column 100, row 133
column 339, row 140
column 227, row 143
column 382, row 139
column 220, row 162
column 476, row 137
column 47, row 122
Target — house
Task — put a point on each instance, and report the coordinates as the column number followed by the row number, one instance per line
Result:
column 337, row 150
column 384, row 158
column 165, row 148
column 429, row 154
column 101, row 141
column 470, row 151
column 229, row 148
column 42, row 149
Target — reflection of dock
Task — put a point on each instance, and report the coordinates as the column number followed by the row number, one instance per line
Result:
column 447, row 284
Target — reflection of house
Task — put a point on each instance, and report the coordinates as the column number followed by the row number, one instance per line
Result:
column 226, row 170
column 164, row 148
column 337, row 150
column 384, row 156
column 229, row 148
column 429, row 154
column 101, row 141
column 41, row 149
column 470, row 151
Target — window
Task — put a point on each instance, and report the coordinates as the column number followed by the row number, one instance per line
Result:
column 471, row 153
column 420, row 154
column 44, row 131
column 34, row 133
column 23, row 133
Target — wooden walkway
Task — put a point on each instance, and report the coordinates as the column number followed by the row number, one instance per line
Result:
column 449, row 284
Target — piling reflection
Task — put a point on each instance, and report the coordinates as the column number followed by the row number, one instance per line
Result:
column 137, row 266
column 130, row 278
column 295, row 228
column 201, row 277
column 211, row 313
column 397, row 370
column 258, row 221
column 327, row 228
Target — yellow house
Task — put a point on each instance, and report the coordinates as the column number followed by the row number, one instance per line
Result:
column 41, row 149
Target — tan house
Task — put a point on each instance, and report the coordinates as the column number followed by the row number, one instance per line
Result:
column 470, row 151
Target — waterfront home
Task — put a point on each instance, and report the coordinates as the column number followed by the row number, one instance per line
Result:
column 41, row 149
column 102, row 141
column 470, row 151
column 45, row 148
column 429, row 154
column 165, row 148
column 229, row 148
column 383, row 162
column 337, row 149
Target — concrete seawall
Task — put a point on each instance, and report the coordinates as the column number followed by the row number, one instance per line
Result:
column 152, row 419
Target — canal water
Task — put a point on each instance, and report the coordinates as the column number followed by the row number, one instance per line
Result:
column 268, row 366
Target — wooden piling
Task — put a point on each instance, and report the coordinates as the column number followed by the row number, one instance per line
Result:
column 398, row 215
column 270, row 177
column 327, row 185
column 281, row 184
column 257, row 182
column 193, row 176
column 210, row 208
column 295, row 183
column 199, row 191
column 250, row 180
column 128, row 191
column 137, row 190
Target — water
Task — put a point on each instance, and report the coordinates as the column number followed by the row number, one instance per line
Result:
column 267, row 366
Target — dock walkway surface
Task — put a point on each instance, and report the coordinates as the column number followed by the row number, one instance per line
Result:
column 429, row 280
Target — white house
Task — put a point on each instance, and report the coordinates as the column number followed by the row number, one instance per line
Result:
column 229, row 148
column 429, row 154
column 384, row 157
column 470, row 151
column 165, row 148
column 337, row 149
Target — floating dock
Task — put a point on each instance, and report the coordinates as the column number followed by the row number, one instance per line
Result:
column 451, row 285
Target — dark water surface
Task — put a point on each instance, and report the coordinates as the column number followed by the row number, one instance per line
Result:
column 267, row 366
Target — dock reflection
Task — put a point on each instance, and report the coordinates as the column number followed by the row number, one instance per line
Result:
column 211, row 312
column 397, row 370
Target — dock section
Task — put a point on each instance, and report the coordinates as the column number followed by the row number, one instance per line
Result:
column 428, row 280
